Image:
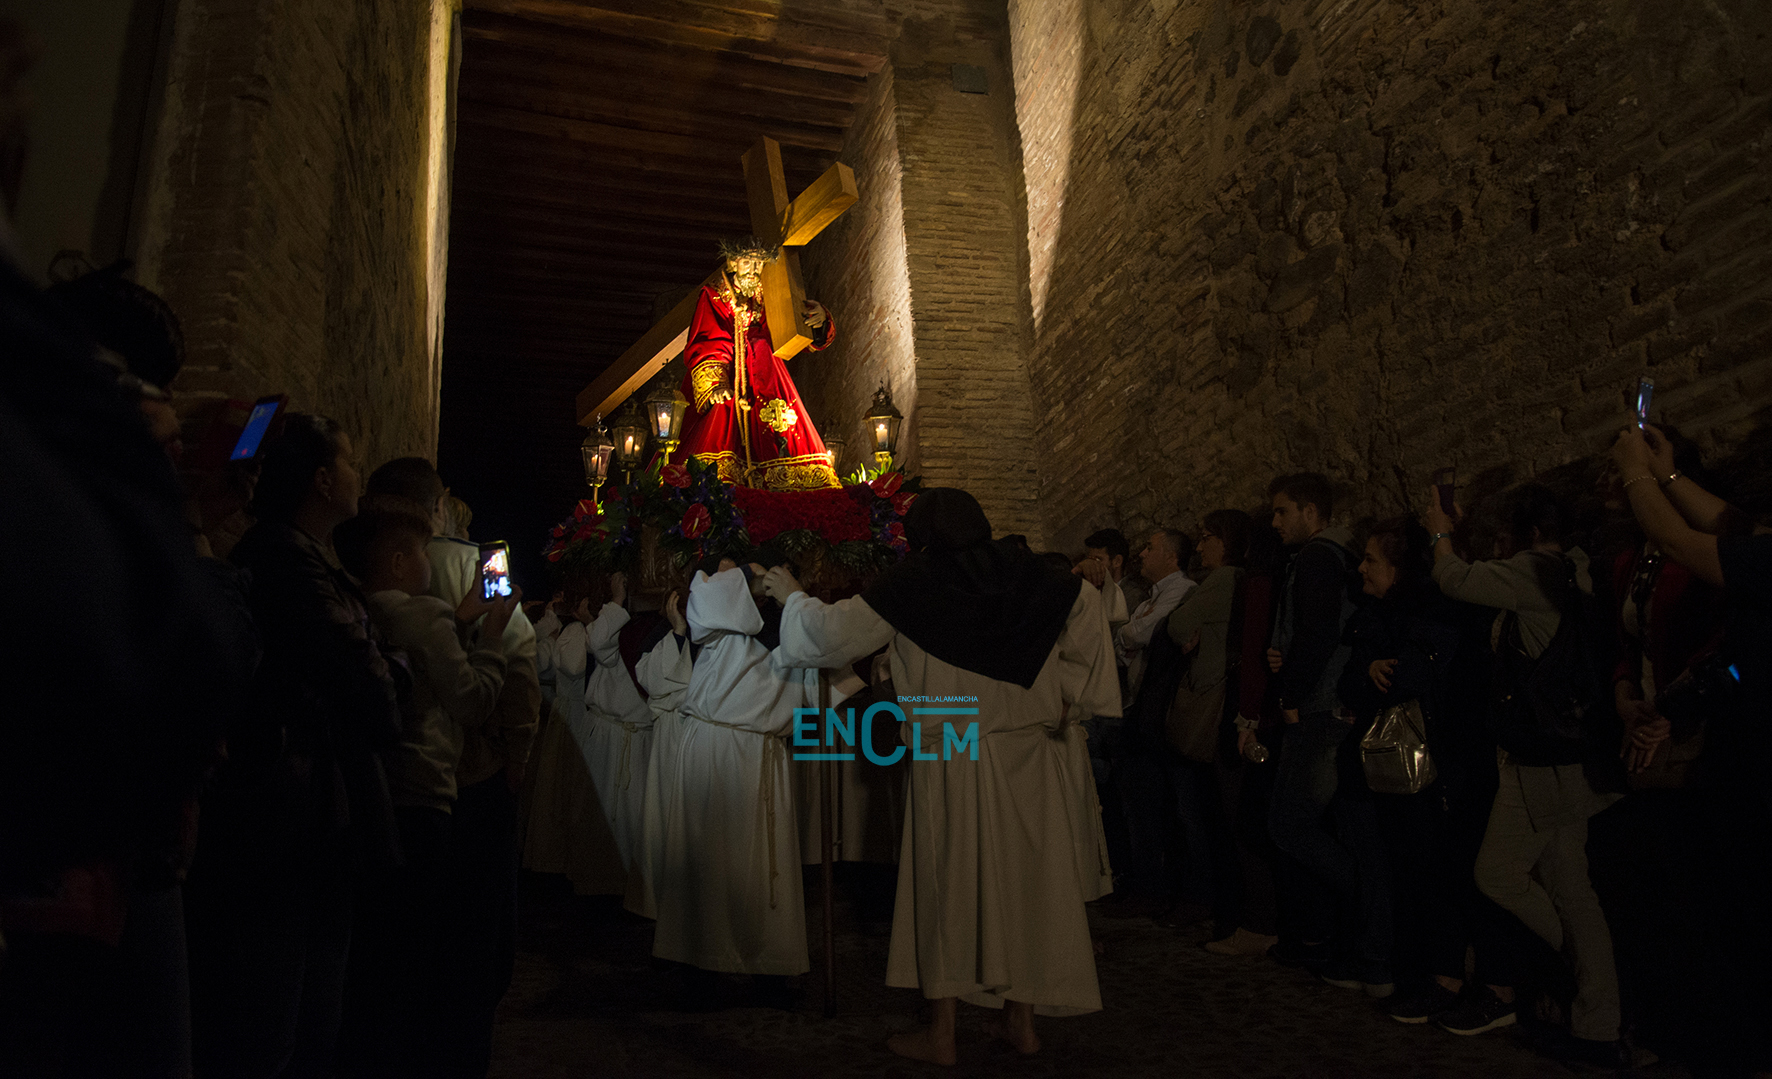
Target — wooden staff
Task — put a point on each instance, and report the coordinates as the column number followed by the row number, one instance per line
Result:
column 741, row 324
column 827, row 774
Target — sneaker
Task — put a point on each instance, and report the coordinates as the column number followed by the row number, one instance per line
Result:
column 1482, row 1010
column 1424, row 1005
column 1242, row 942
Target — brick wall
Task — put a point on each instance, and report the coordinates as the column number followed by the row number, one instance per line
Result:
column 857, row 268
column 933, row 264
column 1375, row 238
column 287, row 217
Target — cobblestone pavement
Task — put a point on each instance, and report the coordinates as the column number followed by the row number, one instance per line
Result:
column 589, row 1001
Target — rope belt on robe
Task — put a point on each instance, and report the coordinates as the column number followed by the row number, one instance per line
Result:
column 628, row 730
column 772, row 748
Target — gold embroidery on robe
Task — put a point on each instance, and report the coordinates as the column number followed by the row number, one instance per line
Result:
column 728, row 470
column 809, row 472
column 705, row 380
column 778, row 415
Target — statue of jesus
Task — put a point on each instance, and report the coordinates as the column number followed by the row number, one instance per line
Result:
column 746, row 417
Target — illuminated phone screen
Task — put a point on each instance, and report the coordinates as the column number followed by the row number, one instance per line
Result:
column 495, row 572
column 1645, row 392
column 256, row 426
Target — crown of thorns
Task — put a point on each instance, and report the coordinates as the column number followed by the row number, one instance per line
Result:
column 749, row 248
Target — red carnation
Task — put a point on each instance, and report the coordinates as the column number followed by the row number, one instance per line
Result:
column 887, row 486
column 676, row 475
column 696, row 521
column 901, row 503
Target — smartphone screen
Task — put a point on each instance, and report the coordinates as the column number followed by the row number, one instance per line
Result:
column 495, row 571
column 1446, row 484
column 256, row 425
column 1645, row 391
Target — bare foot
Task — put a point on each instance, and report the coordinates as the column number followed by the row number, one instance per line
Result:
column 1021, row 1038
column 923, row 1045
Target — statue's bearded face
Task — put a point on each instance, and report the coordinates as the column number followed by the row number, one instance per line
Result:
column 747, row 276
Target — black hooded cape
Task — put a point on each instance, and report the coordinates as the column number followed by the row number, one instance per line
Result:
column 991, row 608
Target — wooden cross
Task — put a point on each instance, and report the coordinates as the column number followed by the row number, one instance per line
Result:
column 774, row 220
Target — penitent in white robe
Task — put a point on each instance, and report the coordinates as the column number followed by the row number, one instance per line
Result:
column 616, row 736
column 990, row 889
column 566, row 830
column 728, row 885
column 663, row 673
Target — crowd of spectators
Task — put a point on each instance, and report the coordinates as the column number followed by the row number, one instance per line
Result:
column 1443, row 759
column 259, row 776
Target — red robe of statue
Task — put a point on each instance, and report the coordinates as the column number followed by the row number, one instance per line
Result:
column 786, row 453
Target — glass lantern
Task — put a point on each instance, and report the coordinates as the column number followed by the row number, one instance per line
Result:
column 596, row 449
column 883, row 420
column 833, row 449
column 664, row 415
column 629, row 431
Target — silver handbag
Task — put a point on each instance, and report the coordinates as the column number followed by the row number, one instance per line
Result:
column 1394, row 752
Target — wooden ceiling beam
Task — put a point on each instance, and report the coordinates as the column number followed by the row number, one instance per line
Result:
column 640, row 290
column 594, row 59
column 710, row 164
column 595, row 220
column 625, row 146
column 698, row 121
column 666, row 88
column 542, row 256
column 634, row 210
column 587, row 234
column 783, row 38
column 584, row 307
column 547, row 181
column 856, row 16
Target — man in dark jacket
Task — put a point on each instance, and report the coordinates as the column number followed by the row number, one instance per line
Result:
column 1307, row 657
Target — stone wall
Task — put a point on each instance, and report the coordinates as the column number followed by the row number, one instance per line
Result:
column 1374, row 239
column 291, row 210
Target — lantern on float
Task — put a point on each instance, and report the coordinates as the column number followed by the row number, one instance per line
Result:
column 664, row 415
column 883, row 420
column 596, row 449
column 629, row 431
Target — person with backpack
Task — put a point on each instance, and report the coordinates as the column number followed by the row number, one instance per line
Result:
column 1546, row 685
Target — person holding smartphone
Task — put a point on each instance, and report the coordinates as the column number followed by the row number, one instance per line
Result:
column 1719, row 545
column 405, row 928
column 1533, row 859
column 301, row 807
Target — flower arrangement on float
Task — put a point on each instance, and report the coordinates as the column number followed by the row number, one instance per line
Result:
column 684, row 512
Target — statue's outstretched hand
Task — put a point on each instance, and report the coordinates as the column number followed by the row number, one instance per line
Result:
column 815, row 313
